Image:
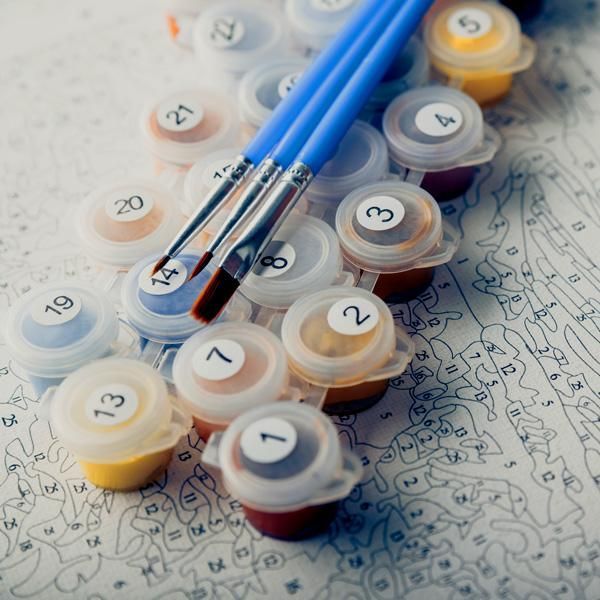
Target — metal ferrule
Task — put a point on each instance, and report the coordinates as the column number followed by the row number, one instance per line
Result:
column 256, row 236
column 208, row 207
column 265, row 178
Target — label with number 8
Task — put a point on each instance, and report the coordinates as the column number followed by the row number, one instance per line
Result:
column 54, row 308
column 128, row 207
column 469, row 23
column 353, row 316
column 180, row 112
column 111, row 404
column 268, row 440
column 218, row 359
column 380, row 213
column 439, row 119
column 278, row 257
column 165, row 281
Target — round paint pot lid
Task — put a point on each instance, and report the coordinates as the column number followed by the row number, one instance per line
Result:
column 338, row 336
column 109, row 408
column 432, row 128
column 279, row 455
column 472, row 36
column 234, row 36
column 184, row 125
column 315, row 22
column 121, row 222
column 304, row 256
column 262, row 88
column 387, row 226
column 229, row 368
column 361, row 157
column 56, row 328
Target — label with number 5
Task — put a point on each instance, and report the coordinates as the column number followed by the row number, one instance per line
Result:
column 469, row 23
column 353, row 316
column 111, row 404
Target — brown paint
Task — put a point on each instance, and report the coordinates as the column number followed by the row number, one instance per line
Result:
column 400, row 287
column 355, row 398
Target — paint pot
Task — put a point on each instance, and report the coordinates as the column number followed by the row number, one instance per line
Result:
column 120, row 223
column 183, row 126
column 478, row 47
column 284, row 463
column 344, row 339
column 115, row 416
column 314, row 23
column 262, row 88
column 438, row 133
column 394, row 231
column 232, row 37
column 227, row 369
column 53, row 330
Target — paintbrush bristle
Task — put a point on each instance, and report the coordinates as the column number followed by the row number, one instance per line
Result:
column 215, row 295
column 201, row 265
column 160, row 263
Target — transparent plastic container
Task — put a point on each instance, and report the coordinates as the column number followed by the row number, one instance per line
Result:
column 478, row 47
column 183, row 126
column 314, row 23
column 285, row 465
column 120, row 223
column 438, row 134
column 232, row 37
column 158, row 306
column 304, row 256
column 54, row 329
column 345, row 339
column 394, row 231
column 115, row 416
column 262, row 88
column 228, row 368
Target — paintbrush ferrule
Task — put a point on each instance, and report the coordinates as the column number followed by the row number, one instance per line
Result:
column 247, row 249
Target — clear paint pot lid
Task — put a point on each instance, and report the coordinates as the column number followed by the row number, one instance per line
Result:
column 229, row 368
column 56, row 328
column 389, row 227
column 316, row 22
column 282, row 456
column 342, row 336
column 361, row 157
column 234, row 36
column 262, row 88
column 304, row 256
column 121, row 222
column 472, row 36
column 436, row 128
column 112, row 409
column 184, row 125
column 158, row 306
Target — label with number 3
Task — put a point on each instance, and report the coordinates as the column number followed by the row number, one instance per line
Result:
column 353, row 316
column 380, row 213
column 111, row 404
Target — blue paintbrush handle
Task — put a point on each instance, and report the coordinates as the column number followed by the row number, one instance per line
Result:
column 289, row 108
column 327, row 135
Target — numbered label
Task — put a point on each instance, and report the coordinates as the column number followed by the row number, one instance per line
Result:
column 439, row 119
column 277, row 259
column 269, row 440
column 226, row 32
column 218, row 359
column 469, row 23
column 165, row 281
column 180, row 112
column 353, row 316
column 380, row 213
column 216, row 171
column 56, row 308
column 332, row 5
column 287, row 83
column 111, row 404
column 127, row 207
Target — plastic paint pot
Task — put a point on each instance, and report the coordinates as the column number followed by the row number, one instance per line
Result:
column 284, row 463
column 344, row 339
column 478, row 47
column 227, row 369
column 438, row 134
column 53, row 330
column 395, row 229
column 117, row 419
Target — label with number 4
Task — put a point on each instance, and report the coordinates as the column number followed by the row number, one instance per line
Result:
column 353, row 316
column 380, row 213
column 278, row 257
column 439, row 119
column 111, row 404
column 165, row 281
column 469, row 23
column 128, row 207
column 268, row 440
column 218, row 359
column 54, row 308
column 180, row 112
